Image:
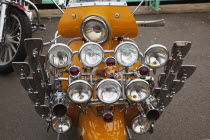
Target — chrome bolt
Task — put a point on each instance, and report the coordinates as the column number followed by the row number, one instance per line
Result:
column 117, row 15
column 73, row 16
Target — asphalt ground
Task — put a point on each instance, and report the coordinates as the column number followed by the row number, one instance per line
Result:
column 186, row 118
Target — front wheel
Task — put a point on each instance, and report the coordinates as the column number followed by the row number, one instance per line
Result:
column 17, row 28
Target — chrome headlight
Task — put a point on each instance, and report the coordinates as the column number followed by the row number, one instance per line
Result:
column 156, row 56
column 141, row 125
column 60, row 55
column 91, row 54
column 95, row 29
column 61, row 124
column 127, row 54
column 80, row 91
column 137, row 90
column 108, row 91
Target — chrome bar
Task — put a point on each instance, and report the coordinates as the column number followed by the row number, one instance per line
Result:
column 37, row 13
column 74, row 39
column 152, row 23
column 108, row 51
column 58, row 137
column 128, row 132
column 98, row 102
column 58, row 6
column 2, row 20
column 138, row 6
column 47, row 43
column 62, row 79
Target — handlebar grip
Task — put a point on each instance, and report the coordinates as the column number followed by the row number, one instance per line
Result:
column 154, row 23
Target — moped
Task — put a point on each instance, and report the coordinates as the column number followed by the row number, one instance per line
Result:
column 16, row 24
column 100, row 81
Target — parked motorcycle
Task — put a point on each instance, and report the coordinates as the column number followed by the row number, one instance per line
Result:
column 100, row 81
column 16, row 24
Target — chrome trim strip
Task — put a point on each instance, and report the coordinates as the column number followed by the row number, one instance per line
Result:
column 96, row 4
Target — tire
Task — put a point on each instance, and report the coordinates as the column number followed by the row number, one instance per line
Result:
column 25, row 31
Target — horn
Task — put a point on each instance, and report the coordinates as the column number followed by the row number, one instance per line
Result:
column 59, row 104
column 151, row 112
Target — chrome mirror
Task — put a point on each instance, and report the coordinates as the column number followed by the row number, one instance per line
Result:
column 180, row 47
column 21, row 68
column 32, row 45
column 185, row 72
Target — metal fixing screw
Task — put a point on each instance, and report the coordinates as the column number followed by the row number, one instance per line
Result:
column 117, row 15
column 73, row 16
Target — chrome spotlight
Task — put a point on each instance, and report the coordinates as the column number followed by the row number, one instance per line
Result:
column 109, row 91
column 91, row 54
column 61, row 124
column 60, row 55
column 80, row 91
column 95, row 29
column 59, row 104
column 156, row 56
column 127, row 54
column 137, row 90
column 140, row 125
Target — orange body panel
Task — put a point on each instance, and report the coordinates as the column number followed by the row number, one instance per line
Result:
column 94, row 128
column 123, row 26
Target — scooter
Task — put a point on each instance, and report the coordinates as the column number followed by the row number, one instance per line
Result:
column 100, row 81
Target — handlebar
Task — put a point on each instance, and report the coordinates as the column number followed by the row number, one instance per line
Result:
column 152, row 23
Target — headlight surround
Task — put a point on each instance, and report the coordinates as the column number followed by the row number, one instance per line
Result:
column 60, row 55
column 108, row 91
column 80, row 91
column 91, row 54
column 127, row 54
column 95, row 29
column 137, row 90
column 140, row 125
column 61, row 124
column 156, row 56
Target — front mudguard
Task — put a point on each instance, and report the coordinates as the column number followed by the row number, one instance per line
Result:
column 94, row 128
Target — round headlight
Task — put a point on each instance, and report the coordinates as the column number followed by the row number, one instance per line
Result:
column 61, row 124
column 141, row 125
column 91, row 54
column 109, row 91
column 137, row 90
column 80, row 91
column 60, row 55
column 127, row 54
column 95, row 29
column 156, row 56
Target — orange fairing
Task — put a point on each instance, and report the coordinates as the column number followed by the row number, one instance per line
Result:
column 122, row 26
column 94, row 128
